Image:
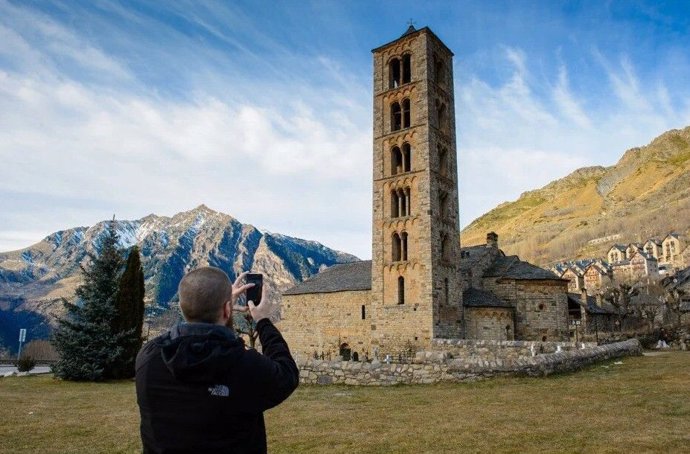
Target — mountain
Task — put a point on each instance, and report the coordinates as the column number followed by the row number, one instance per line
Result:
column 33, row 280
column 645, row 194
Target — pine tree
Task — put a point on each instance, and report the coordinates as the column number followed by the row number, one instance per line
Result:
column 84, row 338
column 129, row 316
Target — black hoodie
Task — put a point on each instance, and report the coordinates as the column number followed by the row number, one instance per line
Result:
column 200, row 390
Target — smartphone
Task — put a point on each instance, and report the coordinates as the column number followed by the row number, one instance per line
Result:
column 254, row 293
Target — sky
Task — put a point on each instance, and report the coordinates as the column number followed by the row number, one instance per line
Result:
column 263, row 109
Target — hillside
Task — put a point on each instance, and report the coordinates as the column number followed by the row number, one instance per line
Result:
column 645, row 194
column 33, row 280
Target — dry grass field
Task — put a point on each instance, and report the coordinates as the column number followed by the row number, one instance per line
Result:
column 641, row 405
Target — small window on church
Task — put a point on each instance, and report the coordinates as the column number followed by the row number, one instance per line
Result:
column 445, row 246
column 406, row 157
column 364, row 312
column 443, row 162
column 395, row 204
column 439, row 71
column 396, row 117
column 441, row 117
column 401, row 290
column 405, row 113
column 404, row 246
column 394, row 73
column 445, row 290
column 406, row 69
column 443, row 204
column 397, row 160
column 397, row 248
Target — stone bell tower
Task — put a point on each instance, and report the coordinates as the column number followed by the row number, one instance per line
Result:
column 416, row 288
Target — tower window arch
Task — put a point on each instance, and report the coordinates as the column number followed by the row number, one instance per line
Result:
column 406, row 113
column 406, row 157
column 443, row 162
column 406, row 69
column 397, row 248
column 441, row 117
column 439, row 71
column 394, row 73
column 443, row 204
column 401, row 290
column 397, row 160
column 400, row 202
column 445, row 246
column 396, row 117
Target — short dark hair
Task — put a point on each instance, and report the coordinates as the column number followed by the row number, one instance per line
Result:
column 203, row 293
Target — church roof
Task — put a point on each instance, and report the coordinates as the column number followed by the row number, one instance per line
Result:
column 470, row 256
column 338, row 278
column 513, row 268
column 474, row 297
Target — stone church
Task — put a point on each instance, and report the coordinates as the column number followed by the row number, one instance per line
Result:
column 419, row 285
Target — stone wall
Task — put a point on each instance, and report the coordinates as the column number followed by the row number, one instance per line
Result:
column 434, row 367
column 489, row 323
column 322, row 322
column 541, row 307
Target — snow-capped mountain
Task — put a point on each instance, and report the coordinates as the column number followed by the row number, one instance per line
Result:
column 33, row 280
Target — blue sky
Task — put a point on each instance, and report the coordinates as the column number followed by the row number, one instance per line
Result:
column 263, row 109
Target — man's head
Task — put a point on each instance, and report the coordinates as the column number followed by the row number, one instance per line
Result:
column 204, row 293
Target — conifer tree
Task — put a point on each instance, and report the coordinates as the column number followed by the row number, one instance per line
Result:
column 84, row 338
column 129, row 316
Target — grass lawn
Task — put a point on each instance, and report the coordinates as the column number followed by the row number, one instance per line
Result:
column 642, row 405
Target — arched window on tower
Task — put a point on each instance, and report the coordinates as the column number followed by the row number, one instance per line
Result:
column 394, row 73
column 395, row 204
column 445, row 246
column 401, row 290
column 396, row 117
column 445, row 291
column 408, row 202
column 406, row 69
column 406, row 113
column 443, row 162
column 397, row 247
column 439, row 71
column 443, row 204
column 406, row 157
column 397, row 160
column 404, row 246
column 441, row 117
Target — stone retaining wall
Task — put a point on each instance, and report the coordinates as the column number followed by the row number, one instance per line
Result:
column 440, row 366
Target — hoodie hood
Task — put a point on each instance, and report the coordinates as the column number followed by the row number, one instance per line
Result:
column 200, row 352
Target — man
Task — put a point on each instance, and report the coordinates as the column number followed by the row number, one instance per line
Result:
column 199, row 389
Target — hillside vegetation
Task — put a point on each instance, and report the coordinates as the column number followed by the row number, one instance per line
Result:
column 646, row 194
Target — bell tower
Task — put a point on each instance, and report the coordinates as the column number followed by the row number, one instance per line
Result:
column 416, row 288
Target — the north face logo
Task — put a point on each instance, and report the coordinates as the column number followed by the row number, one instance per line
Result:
column 219, row 390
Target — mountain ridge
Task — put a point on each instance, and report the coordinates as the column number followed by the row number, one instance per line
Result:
column 646, row 193
column 35, row 279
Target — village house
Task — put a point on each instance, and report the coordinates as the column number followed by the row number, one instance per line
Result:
column 672, row 248
column 597, row 276
column 654, row 248
column 616, row 253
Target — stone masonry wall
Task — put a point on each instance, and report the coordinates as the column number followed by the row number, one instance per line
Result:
column 321, row 322
column 434, row 367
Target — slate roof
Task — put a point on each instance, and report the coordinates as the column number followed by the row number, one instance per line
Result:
column 592, row 306
column 337, row 278
column 470, row 256
column 474, row 297
column 513, row 268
